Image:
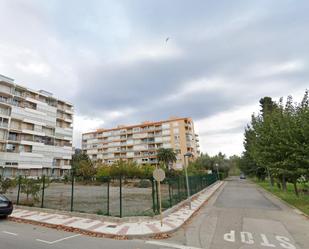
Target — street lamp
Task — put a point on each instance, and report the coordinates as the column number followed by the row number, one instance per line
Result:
column 188, row 154
column 217, row 166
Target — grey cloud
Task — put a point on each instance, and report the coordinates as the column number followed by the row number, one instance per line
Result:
column 83, row 43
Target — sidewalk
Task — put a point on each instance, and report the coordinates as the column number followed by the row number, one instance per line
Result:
column 150, row 227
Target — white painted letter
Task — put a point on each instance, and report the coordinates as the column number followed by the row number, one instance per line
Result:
column 246, row 237
column 285, row 242
column 230, row 236
column 265, row 241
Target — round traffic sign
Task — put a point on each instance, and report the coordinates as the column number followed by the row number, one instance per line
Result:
column 159, row 175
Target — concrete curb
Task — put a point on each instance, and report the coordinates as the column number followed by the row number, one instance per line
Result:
column 125, row 230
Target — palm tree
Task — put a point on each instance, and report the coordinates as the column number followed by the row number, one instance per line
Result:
column 166, row 156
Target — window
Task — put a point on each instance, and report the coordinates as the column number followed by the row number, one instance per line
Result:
column 10, row 147
column 137, row 129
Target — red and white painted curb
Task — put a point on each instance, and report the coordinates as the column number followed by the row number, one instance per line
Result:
column 143, row 228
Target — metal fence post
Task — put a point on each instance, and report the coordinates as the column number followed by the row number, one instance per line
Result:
column 108, row 182
column 153, row 195
column 18, row 192
column 178, row 186
column 169, row 192
column 120, row 196
column 72, row 192
column 157, row 196
column 43, row 190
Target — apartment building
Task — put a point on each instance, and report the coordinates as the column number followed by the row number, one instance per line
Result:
column 35, row 131
column 140, row 142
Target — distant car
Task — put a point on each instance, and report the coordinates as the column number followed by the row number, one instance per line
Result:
column 6, row 206
column 242, row 176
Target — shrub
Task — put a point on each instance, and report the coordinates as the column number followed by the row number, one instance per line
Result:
column 6, row 184
column 30, row 187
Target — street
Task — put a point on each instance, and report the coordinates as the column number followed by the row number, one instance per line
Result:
column 240, row 215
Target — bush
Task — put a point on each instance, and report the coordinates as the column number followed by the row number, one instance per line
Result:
column 124, row 169
column 6, row 184
column 30, row 187
column 165, row 204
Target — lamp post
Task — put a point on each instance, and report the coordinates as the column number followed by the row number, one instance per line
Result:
column 188, row 154
column 217, row 166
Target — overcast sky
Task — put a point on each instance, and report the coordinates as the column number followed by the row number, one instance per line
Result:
column 111, row 59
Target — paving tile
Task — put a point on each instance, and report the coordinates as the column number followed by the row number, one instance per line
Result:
column 170, row 222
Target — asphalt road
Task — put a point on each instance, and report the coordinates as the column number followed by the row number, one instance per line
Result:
column 239, row 216
column 25, row 236
column 243, row 216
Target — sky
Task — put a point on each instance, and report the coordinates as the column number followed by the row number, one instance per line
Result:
column 112, row 61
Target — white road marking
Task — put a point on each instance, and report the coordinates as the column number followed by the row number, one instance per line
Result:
column 229, row 236
column 265, row 241
column 285, row 242
column 58, row 240
column 246, row 238
column 159, row 243
column 10, row 233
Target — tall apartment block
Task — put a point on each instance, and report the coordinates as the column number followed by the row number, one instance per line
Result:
column 35, row 132
column 140, row 142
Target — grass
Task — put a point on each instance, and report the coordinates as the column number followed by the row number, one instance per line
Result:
column 301, row 202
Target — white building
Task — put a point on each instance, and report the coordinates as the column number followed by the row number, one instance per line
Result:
column 35, row 131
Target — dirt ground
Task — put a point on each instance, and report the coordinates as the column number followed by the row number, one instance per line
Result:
column 93, row 198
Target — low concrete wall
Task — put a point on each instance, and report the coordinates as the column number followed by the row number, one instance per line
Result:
column 116, row 219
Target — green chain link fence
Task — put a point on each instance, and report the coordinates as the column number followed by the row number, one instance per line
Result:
column 119, row 197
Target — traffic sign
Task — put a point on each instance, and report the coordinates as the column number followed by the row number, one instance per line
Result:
column 159, row 175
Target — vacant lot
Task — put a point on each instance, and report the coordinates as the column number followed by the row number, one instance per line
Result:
column 93, row 198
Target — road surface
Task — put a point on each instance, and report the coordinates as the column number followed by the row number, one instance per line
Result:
column 240, row 215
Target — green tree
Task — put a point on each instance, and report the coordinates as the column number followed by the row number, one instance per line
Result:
column 32, row 188
column 82, row 166
column 77, row 158
column 85, row 170
column 166, row 156
column 276, row 142
column 6, row 184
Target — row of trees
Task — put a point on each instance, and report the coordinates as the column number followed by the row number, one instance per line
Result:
column 277, row 142
column 84, row 168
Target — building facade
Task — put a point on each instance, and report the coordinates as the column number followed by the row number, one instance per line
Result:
column 35, row 132
column 140, row 142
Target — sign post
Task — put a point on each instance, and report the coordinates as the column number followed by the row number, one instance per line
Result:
column 159, row 176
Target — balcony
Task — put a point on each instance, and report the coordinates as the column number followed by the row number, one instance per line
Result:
column 15, row 127
column 4, row 112
column 5, row 100
column 4, row 125
column 14, row 138
column 20, row 94
column 65, row 109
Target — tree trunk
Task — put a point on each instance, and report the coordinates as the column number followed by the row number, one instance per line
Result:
column 283, row 183
column 295, row 188
column 279, row 185
column 272, row 181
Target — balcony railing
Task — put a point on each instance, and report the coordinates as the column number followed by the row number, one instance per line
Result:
column 5, row 100
column 4, row 125
column 4, row 112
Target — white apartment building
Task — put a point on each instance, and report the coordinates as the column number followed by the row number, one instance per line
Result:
column 140, row 142
column 35, row 132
